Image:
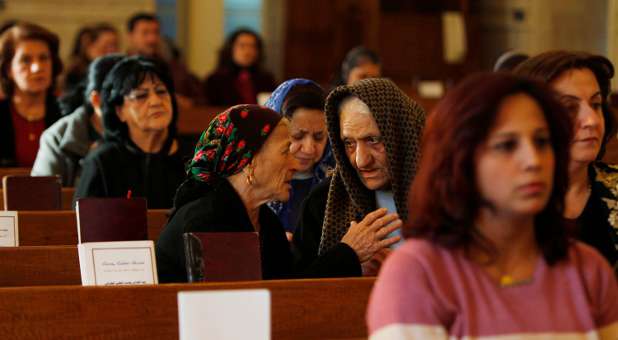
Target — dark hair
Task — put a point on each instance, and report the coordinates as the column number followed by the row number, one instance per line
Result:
column 308, row 96
column 355, row 57
column 137, row 17
column 80, row 96
column 226, row 61
column 508, row 60
column 125, row 76
column 23, row 32
column 550, row 65
column 6, row 25
column 444, row 201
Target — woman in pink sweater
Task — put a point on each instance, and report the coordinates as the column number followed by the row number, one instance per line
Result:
column 488, row 256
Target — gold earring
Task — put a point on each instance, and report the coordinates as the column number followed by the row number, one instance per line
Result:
column 250, row 178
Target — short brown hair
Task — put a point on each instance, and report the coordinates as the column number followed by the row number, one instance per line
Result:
column 445, row 200
column 550, row 65
column 22, row 32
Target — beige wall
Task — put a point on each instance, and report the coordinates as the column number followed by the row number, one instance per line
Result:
column 547, row 24
column 204, row 34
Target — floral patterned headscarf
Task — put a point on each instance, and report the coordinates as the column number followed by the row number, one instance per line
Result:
column 230, row 142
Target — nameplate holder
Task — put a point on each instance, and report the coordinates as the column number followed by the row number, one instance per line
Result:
column 224, row 314
column 9, row 230
column 117, row 263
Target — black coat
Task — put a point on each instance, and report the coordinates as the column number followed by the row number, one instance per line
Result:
column 340, row 261
column 7, row 133
column 594, row 225
column 221, row 210
column 113, row 169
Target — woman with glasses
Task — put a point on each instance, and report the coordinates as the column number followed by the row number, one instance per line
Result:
column 139, row 154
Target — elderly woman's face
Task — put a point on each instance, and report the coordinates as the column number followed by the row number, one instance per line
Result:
column 31, row 66
column 147, row 108
column 274, row 165
column 581, row 95
column 308, row 132
column 364, row 146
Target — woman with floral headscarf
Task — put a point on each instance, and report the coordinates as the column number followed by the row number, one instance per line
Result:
column 302, row 102
column 241, row 162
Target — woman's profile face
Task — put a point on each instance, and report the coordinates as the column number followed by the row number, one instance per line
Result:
column 581, row 95
column 245, row 50
column 308, row 134
column 147, row 108
column 31, row 66
column 515, row 164
column 274, row 165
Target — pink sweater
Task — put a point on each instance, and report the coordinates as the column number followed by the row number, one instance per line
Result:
column 428, row 292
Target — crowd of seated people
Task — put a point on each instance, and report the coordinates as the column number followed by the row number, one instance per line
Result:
column 478, row 217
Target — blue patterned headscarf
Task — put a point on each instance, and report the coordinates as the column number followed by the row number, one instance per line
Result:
column 277, row 98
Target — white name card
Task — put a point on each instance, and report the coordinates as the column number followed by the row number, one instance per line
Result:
column 431, row 89
column 9, row 231
column 224, row 314
column 117, row 263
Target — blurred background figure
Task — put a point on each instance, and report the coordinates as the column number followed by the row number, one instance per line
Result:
column 144, row 38
column 239, row 77
column 90, row 43
column 29, row 66
column 64, row 144
column 359, row 63
column 508, row 60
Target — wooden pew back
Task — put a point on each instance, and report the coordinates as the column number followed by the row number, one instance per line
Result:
column 66, row 197
column 43, row 228
column 301, row 309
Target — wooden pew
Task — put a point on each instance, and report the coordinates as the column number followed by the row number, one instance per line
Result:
column 194, row 120
column 67, row 198
column 43, row 228
column 39, row 266
column 301, row 309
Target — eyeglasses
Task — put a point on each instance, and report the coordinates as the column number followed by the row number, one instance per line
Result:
column 141, row 95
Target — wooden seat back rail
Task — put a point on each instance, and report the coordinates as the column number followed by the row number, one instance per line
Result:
column 300, row 309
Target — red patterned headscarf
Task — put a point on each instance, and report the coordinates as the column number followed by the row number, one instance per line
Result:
column 230, row 142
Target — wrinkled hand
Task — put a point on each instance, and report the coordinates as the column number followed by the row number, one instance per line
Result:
column 368, row 236
column 372, row 267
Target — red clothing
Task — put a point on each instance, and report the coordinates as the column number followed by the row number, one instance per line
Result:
column 245, row 88
column 27, row 135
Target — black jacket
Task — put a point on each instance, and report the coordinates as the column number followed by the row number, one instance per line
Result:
column 113, row 169
column 340, row 261
column 598, row 224
column 221, row 210
column 7, row 133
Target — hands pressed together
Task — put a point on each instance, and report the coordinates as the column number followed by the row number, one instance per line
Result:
column 369, row 238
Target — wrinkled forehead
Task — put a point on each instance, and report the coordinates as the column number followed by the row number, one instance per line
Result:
column 355, row 114
column 353, row 104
